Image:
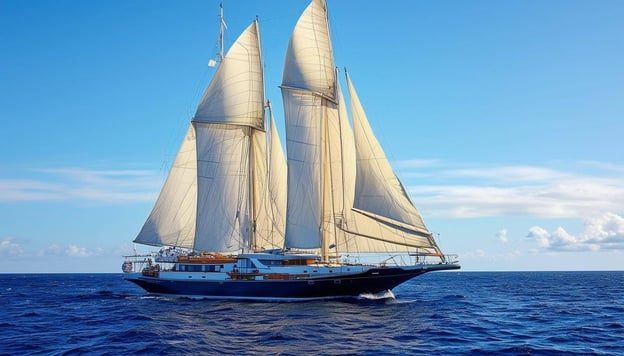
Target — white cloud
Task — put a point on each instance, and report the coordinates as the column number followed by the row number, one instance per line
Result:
column 75, row 251
column 51, row 250
column 502, row 236
column 605, row 232
column 82, row 184
column 509, row 173
column 540, row 235
column 517, row 191
column 9, row 248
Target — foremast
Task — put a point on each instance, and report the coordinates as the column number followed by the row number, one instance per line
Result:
column 210, row 201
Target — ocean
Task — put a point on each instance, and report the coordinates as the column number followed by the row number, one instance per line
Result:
column 440, row 313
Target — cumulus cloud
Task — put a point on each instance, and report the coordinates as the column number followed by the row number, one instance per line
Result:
column 9, row 248
column 605, row 232
column 82, row 184
column 51, row 250
column 75, row 251
column 502, row 236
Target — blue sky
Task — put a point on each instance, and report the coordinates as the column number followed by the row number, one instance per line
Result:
column 504, row 119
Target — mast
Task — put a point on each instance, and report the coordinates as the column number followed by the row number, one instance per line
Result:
column 253, row 195
column 222, row 28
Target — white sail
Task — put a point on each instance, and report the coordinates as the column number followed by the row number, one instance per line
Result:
column 340, row 175
column 223, row 194
column 308, row 90
column 227, row 117
column 304, row 149
column 278, row 182
column 378, row 190
column 369, row 233
column 383, row 214
column 236, row 93
column 271, row 192
column 172, row 220
column 309, row 61
column 348, row 155
column 206, row 203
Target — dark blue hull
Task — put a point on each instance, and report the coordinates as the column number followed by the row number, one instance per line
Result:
column 372, row 281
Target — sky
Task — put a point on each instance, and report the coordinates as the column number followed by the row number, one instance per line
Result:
column 503, row 119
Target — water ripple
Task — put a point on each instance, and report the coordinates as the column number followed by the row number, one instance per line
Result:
column 543, row 313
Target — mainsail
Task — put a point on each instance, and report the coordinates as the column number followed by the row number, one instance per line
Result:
column 218, row 190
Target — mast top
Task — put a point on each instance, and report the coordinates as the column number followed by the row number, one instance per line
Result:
column 222, row 28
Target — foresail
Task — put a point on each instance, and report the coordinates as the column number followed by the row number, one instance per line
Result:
column 377, row 189
column 236, row 93
column 172, row 220
column 308, row 90
column 366, row 232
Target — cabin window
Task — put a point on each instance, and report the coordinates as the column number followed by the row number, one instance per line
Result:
column 271, row 262
column 245, row 264
column 191, row 268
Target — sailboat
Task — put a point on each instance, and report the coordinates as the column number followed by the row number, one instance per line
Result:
column 238, row 219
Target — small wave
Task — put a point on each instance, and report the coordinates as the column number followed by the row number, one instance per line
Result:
column 30, row 314
column 387, row 294
column 402, row 301
column 528, row 350
column 141, row 318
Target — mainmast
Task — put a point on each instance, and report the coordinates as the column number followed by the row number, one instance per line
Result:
column 222, row 28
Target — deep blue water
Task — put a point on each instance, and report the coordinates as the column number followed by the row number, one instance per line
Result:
column 438, row 313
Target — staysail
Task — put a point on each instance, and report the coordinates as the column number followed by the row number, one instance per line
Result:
column 271, row 202
column 382, row 214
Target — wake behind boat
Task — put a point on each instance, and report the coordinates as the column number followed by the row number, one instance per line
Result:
column 298, row 228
